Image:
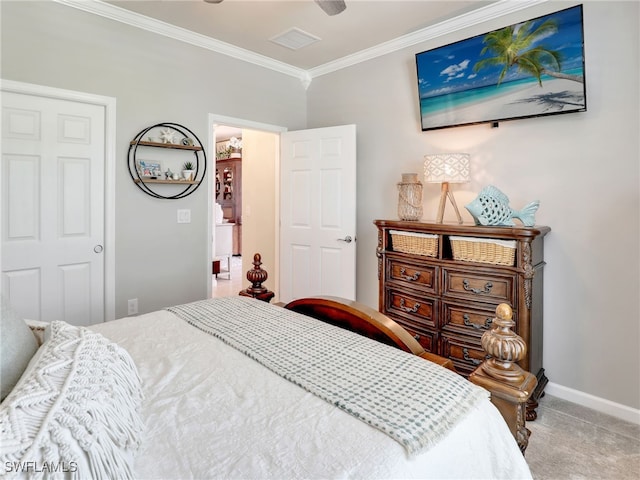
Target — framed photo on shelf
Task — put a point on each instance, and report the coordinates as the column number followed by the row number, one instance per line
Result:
column 150, row 169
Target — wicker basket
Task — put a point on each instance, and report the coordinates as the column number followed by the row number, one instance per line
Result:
column 483, row 250
column 415, row 243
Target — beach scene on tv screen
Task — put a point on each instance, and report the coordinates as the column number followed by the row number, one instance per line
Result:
column 527, row 69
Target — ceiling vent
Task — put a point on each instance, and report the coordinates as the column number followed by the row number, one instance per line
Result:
column 294, row 39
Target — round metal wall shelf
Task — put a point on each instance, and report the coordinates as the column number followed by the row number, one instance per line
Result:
column 189, row 142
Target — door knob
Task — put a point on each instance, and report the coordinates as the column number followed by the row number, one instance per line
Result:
column 346, row 239
column 98, row 248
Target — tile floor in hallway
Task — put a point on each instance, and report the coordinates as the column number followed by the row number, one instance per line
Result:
column 223, row 286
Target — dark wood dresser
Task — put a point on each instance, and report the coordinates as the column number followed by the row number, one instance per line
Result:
column 442, row 282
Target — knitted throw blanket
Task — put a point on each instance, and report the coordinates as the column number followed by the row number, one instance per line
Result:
column 75, row 413
column 412, row 400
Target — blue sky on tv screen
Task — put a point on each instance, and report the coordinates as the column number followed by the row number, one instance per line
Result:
column 449, row 69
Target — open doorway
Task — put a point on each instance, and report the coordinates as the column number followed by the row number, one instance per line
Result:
column 226, row 266
column 247, row 193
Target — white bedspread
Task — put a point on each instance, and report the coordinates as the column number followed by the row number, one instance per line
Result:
column 213, row 413
column 375, row 383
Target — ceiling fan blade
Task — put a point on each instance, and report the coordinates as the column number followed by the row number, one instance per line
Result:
column 331, row 7
column 213, row 1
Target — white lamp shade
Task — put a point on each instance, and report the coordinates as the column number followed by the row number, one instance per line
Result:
column 446, row 167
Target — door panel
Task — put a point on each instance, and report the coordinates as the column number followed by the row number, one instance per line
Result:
column 75, row 197
column 300, row 185
column 331, row 276
column 300, row 261
column 53, row 158
column 22, row 207
column 24, row 283
column 318, row 202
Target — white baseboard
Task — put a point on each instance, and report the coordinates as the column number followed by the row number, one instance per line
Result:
column 600, row 404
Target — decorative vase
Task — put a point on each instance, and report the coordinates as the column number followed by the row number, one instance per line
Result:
column 410, row 197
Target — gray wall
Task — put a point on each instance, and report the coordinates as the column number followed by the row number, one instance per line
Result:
column 154, row 79
column 583, row 167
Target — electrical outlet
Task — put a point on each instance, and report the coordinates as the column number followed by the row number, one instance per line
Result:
column 132, row 306
column 184, row 216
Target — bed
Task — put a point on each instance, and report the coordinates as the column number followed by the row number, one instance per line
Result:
column 239, row 388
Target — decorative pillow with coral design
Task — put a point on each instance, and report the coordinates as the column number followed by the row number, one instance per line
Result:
column 75, row 413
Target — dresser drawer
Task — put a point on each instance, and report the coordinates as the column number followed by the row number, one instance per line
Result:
column 466, row 354
column 466, row 320
column 427, row 338
column 413, row 308
column 413, row 274
column 478, row 286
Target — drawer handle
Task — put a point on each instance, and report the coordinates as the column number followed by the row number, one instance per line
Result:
column 417, row 337
column 475, row 361
column 469, row 323
column 412, row 278
column 415, row 308
column 487, row 287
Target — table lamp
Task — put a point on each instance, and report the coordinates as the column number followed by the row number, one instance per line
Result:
column 446, row 168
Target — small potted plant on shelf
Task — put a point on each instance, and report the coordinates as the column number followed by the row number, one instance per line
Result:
column 188, row 171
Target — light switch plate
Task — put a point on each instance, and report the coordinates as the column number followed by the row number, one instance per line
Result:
column 132, row 306
column 184, row 216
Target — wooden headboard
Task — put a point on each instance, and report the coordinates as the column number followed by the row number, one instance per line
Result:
column 364, row 320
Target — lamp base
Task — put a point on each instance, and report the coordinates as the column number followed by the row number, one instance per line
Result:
column 444, row 193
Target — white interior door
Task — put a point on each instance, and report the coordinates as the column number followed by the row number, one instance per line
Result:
column 53, row 161
column 318, row 213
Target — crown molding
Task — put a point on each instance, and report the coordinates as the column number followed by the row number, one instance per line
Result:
column 483, row 14
column 488, row 12
column 143, row 22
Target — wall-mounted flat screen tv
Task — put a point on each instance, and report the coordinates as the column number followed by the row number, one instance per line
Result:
column 528, row 69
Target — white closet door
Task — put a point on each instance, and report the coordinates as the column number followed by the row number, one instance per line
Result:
column 53, row 160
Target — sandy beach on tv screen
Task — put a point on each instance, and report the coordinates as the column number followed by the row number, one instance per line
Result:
column 556, row 95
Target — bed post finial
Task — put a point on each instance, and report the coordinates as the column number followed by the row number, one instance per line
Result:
column 510, row 386
column 256, row 276
column 505, row 347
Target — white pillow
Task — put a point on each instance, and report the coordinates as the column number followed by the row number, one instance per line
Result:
column 75, row 411
column 17, row 346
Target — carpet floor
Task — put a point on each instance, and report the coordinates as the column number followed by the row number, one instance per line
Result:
column 569, row 441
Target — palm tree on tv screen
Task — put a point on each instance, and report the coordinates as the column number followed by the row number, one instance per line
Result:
column 512, row 46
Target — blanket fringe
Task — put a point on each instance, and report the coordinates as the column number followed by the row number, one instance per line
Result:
column 88, row 395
